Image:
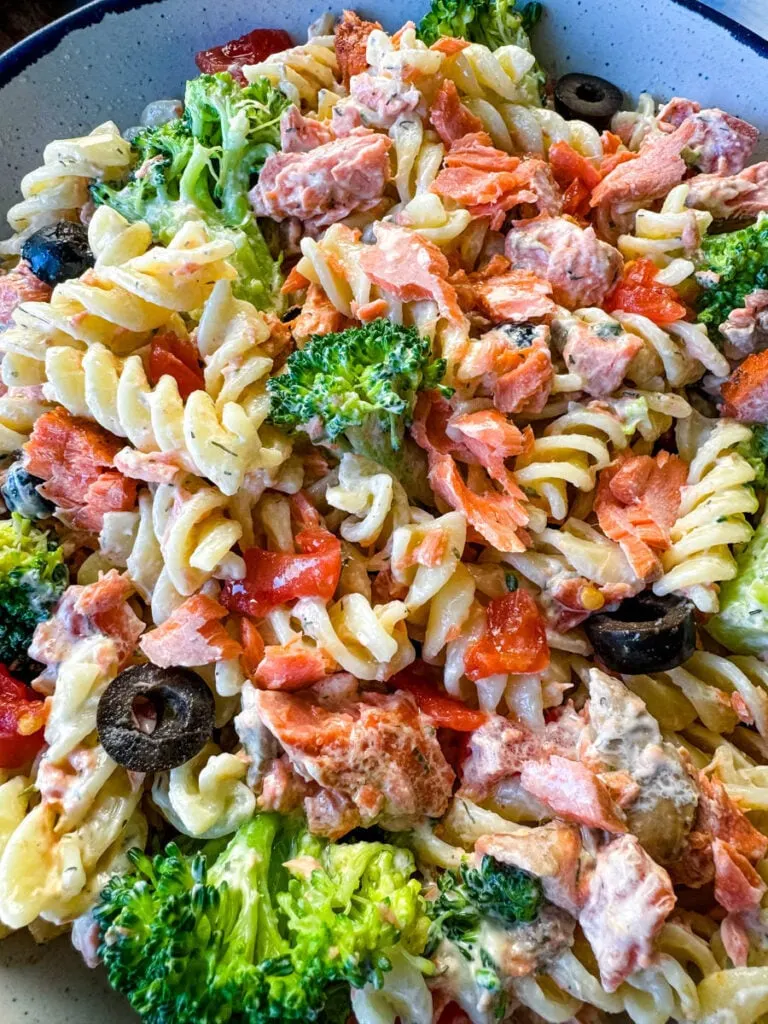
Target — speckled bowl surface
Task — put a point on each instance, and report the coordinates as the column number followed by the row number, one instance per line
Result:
column 110, row 58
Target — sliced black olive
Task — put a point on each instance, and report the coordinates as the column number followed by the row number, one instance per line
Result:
column 19, row 494
column 58, row 252
column 151, row 719
column 587, row 98
column 645, row 634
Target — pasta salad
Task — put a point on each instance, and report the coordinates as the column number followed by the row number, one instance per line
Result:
column 384, row 566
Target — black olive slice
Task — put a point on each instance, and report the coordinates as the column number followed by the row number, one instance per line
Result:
column 645, row 634
column 150, row 719
column 58, row 252
column 20, row 495
column 587, row 98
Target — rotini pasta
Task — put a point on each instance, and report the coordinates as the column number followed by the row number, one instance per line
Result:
column 133, row 289
column 58, row 190
column 712, row 513
column 308, row 75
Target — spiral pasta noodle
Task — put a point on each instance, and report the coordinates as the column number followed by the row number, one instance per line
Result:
column 59, row 188
column 133, row 289
column 61, row 852
column 220, row 446
column 206, row 797
column 571, row 451
column 517, row 127
column 669, row 237
column 308, row 74
column 712, row 513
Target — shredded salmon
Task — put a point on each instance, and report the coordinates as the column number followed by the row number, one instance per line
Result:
column 193, row 635
column 411, row 268
column 75, row 458
column 318, row 316
column 637, row 503
column 448, row 115
column 350, row 43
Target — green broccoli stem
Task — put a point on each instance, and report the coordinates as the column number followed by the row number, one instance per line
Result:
column 408, row 463
column 242, row 875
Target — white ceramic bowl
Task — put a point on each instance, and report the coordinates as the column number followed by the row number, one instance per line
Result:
column 110, row 58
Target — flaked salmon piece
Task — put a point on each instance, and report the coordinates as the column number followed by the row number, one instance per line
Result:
column 721, row 143
column 629, row 897
column 637, row 502
column 498, row 750
column 743, row 195
column 193, row 635
column 745, row 393
column 493, row 194
column 99, row 607
column 483, row 438
column 411, row 268
column 449, row 46
column 717, row 817
column 448, row 115
column 657, row 169
column 572, row 792
column 290, row 667
column 478, row 152
column 282, row 790
column 581, row 268
column 738, row 886
column 378, row 754
column 295, row 282
column 75, row 459
column 498, row 518
column 318, row 316
column 299, row 134
column 350, row 44
column 601, row 362
column 526, row 388
column 327, row 184
column 17, row 286
column 517, row 296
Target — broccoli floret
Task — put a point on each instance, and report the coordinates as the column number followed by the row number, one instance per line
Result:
column 32, row 578
column 493, row 23
column 741, row 625
column 740, row 260
column 233, row 936
column 201, row 166
column 755, row 451
column 492, row 894
column 356, row 391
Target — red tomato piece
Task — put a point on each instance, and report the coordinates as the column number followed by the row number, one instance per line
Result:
column 515, row 639
column 22, row 720
column 576, row 199
column 639, row 292
column 453, row 1014
column 252, row 48
column 273, row 578
column 445, row 712
column 175, row 357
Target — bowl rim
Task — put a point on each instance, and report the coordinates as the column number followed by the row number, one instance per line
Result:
column 16, row 60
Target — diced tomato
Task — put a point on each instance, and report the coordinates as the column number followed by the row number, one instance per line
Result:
column 273, row 578
column 445, row 712
column 252, row 48
column 22, row 720
column 639, row 292
column 175, row 357
column 515, row 639
column 576, row 199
